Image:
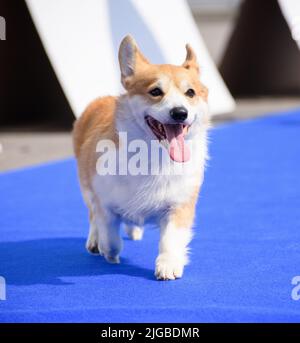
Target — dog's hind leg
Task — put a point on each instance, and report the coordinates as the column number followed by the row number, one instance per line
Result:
column 92, row 241
column 104, row 234
column 134, row 232
column 108, row 231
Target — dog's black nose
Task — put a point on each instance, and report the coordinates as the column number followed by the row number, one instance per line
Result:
column 179, row 114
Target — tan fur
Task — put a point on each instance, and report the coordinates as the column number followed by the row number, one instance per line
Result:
column 145, row 74
column 96, row 123
column 183, row 216
column 150, row 74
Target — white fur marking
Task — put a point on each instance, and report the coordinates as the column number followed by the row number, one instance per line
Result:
column 172, row 252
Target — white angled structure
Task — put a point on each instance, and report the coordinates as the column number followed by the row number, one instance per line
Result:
column 81, row 39
column 291, row 12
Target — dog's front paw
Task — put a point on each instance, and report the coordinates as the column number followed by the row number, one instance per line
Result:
column 112, row 259
column 168, row 267
column 92, row 246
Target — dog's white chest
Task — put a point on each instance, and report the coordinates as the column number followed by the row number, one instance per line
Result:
column 136, row 198
column 139, row 197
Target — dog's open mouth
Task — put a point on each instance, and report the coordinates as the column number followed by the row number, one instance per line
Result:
column 175, row 135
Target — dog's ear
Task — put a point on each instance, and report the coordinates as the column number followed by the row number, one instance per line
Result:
column 130, row 58
column 191, row 59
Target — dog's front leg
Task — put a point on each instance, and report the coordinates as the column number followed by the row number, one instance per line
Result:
column 172, row 251
column 175, row 235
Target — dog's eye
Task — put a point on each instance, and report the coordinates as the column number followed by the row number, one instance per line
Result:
column 190, row 93
column 156, row 92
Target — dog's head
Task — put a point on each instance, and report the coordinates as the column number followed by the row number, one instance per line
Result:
column 166, row 100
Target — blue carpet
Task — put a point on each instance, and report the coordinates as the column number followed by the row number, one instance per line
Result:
column 245, row 252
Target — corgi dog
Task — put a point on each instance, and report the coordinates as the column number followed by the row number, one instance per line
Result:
column 164, row 104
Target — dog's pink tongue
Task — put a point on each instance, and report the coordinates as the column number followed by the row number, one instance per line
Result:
column 178, row 150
